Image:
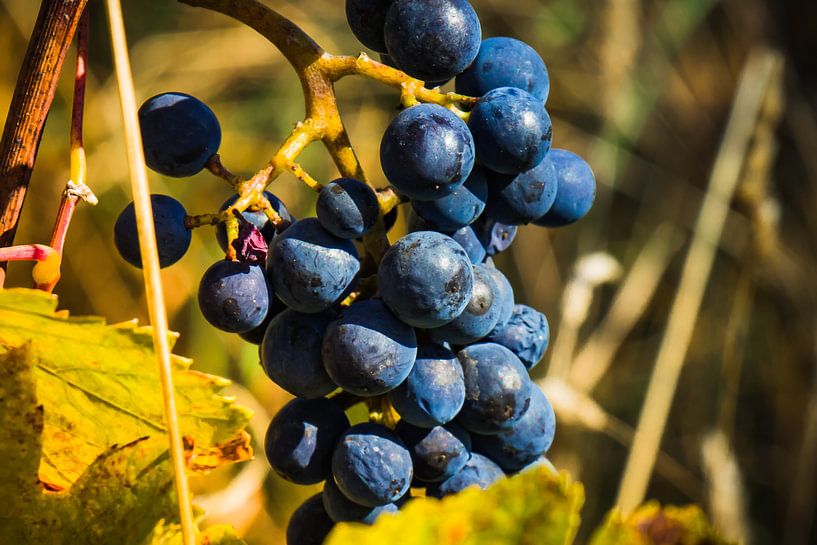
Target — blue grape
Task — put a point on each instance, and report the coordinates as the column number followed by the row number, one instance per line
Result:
column 233, row 296
column 371, row 465
column 368, row 351
column 310, row 524
column 256, row 335
column 460, row 208
column 256, row 217
column 179, row 134
column 348, row 208
column 521, row 199
column 505, row 62
column 526, row 334
column 576, row 190
column 528, row 439
column 437, row 453
column 466, row 237
column 495, row 237
column 388, row 61
column 432, row 40
column 366, row 19
column 426, row 279
column 478, row 318
column 478, row 470
column 512, row 130
column 342, row 509
column 172, row 238
column 497, row 388
column 389, row 219
column 311, row 268
column 301, row 439
column 427, row 152
column 434, row 391
column 504, row 294
column 291, row 353
column 470, row 241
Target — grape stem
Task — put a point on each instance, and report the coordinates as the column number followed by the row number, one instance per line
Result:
column 215, row 166
column 46, row 270
column 76, row 189
column 318, row 70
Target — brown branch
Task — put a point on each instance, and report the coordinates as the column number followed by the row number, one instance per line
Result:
column 29, row 108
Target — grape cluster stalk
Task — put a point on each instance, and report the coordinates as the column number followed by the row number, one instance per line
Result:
column 426, row 331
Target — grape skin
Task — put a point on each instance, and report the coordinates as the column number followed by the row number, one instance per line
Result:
column 256, row 335
column 505, row 62
column 575, row 193
column 497, row 388
column 291, row 353
column 504, row 294
column 371, row 465
column 179, row 134
column 466, row 237
column 511, row 129
column 301, row 439
column 427, row 152
column 309, row 524
column 233, row 296
column 526, row 334
column 311, row 268
column 432, row 40
column 494, row 236
column 528, row 439
column 460, row 208
column 172, row 237
column 347, row 208
column 368, row 351
column 478, row 318
column 342, row 509
column 521, row 199
column 366, row 19
column 426, row 279
column 434, row 391
column 478, row 470
column 388, row 61
column 437, row 453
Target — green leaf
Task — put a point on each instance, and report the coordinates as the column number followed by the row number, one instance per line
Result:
column 534, row 507
column 82, row 437
column 653, row 525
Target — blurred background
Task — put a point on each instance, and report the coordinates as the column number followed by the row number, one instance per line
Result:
column 644, row 90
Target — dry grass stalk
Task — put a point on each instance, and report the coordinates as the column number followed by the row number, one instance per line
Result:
column 589, row 272
column 629, row 305
column 762, row 68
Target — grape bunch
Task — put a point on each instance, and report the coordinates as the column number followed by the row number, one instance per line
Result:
column 430, row 336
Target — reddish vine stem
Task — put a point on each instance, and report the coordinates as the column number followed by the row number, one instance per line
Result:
column 33, row 95
column 78, row 165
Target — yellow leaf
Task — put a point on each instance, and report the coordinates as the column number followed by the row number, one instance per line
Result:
column 82, row 438
column 653, row 525
column 534, row 507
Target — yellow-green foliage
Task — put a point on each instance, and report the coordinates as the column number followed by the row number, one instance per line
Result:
column 532, row 508
column 82, row 441
column 535, row 507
